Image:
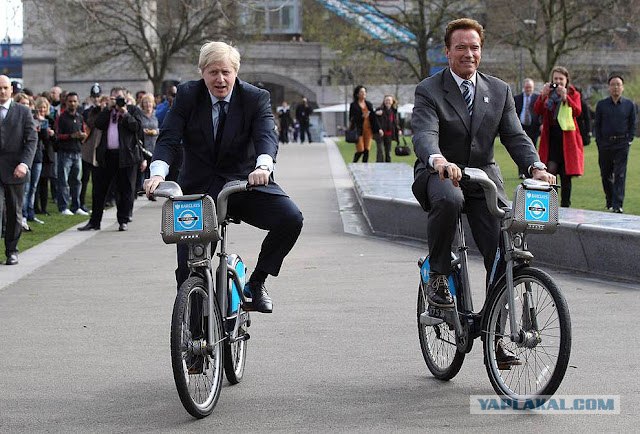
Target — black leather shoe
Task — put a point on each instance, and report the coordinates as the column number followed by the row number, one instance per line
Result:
column 89, row 227
column 504, row 357
column 260, row 300
column 438, row 294
column 123, row 227
column 12, row 259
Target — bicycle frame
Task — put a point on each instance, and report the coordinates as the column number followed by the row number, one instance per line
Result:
column 200, row 258
column 463, row 299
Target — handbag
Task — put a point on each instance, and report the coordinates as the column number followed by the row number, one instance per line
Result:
column 565, row 118
column 402, row 150
column 351, row 135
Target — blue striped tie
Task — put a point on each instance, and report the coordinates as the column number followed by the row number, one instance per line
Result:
column 466, row 94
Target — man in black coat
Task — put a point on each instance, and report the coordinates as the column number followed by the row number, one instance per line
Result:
column 18, row 141
column 118, row 158
column 528, row 118
column 303, row 114
column 227, row 131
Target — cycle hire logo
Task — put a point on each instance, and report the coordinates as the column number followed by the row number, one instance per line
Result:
column 187, row 216
column 536, row 206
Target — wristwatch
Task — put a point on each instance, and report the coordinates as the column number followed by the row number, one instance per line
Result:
column 263, row 167
column 539, row 165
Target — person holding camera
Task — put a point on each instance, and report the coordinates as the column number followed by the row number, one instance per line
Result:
column 118, row 157
column 70, row 132
column 561, row 147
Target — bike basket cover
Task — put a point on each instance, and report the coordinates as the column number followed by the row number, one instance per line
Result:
column 535, row 209
column 189, row 218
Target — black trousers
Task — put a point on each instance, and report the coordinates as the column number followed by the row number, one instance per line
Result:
column 304, row 127
column 87, row 170
column 447, row 202
column 383, row 145
column 11, row 198
column 613, row 171
column 277, row 214
column 125, row 178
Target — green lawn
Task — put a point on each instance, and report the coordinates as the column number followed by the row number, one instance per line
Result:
column 586, row 192
column 53, row 224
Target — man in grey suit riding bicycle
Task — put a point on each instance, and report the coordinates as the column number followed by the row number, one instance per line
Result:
column 457, row 115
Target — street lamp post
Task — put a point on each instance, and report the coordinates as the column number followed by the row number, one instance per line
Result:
column 530, row 24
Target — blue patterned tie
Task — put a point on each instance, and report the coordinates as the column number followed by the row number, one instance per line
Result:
column 466, row 94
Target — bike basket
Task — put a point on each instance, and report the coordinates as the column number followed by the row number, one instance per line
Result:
column 187, row 219
column 535, row 208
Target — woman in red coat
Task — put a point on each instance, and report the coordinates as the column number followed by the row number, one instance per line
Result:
column 562, row 151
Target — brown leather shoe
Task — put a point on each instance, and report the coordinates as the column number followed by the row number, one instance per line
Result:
column 438, row 294
column 504, row 357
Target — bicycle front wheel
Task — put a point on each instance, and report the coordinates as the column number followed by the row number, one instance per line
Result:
column 543, row 322
column 196, row 356
column 438, row 344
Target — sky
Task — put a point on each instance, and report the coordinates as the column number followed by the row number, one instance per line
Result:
column 11, row 20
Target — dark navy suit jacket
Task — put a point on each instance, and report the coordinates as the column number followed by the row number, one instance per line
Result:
column 249, row 131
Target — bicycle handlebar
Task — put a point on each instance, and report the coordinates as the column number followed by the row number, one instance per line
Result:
column 480, row 177
column 228, row 189
column 167, row 189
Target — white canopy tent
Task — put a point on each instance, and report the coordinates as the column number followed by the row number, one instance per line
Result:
column 341, row 108
column 338, row 108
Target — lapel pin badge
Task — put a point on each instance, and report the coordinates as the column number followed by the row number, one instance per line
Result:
column 486, row 99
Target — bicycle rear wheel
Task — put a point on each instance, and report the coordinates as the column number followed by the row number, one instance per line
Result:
column 438, row 344
column 543, row 319
column 235, row 353
column 196, row 358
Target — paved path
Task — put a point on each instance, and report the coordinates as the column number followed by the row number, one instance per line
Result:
column 84, row 338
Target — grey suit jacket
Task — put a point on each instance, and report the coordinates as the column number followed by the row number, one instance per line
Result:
column 18, row 141
column 441, row 125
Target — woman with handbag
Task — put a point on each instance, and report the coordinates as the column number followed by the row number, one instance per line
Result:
column 361, row 117
column 389, row 122
column 561, row 147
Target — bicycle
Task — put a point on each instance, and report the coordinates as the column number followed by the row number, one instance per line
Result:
column 533, row 314
column 208, row 333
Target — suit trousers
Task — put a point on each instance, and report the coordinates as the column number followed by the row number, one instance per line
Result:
column 125, row 178
column 447, row 202
column 11, row 199
column 274, row 213
column 613, row 171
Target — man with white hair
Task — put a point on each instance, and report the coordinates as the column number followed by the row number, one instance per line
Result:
column 226, row 129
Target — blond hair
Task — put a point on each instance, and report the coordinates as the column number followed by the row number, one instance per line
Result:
column 41, row 101
column 148, row 97
column 217, row 51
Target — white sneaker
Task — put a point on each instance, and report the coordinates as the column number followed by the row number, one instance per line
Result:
column 25, row 225
column 66, row 212
column 80, row 211
column 37, row 220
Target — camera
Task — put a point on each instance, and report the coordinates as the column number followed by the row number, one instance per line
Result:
column 553, row 86
column 120, row 101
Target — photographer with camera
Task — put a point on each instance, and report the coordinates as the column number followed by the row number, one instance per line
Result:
column 118, row 156
column 561, row 147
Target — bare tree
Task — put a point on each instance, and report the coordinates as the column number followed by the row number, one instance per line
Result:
column 550, row 29
column 425, row 21
column 149, row 33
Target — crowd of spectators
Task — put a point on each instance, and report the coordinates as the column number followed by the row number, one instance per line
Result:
column 69, row 141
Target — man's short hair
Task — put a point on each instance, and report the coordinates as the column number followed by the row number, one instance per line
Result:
column 118, row 89
column 612, row 76
column 464, row 24
column 217, row 51
column 71, row 94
